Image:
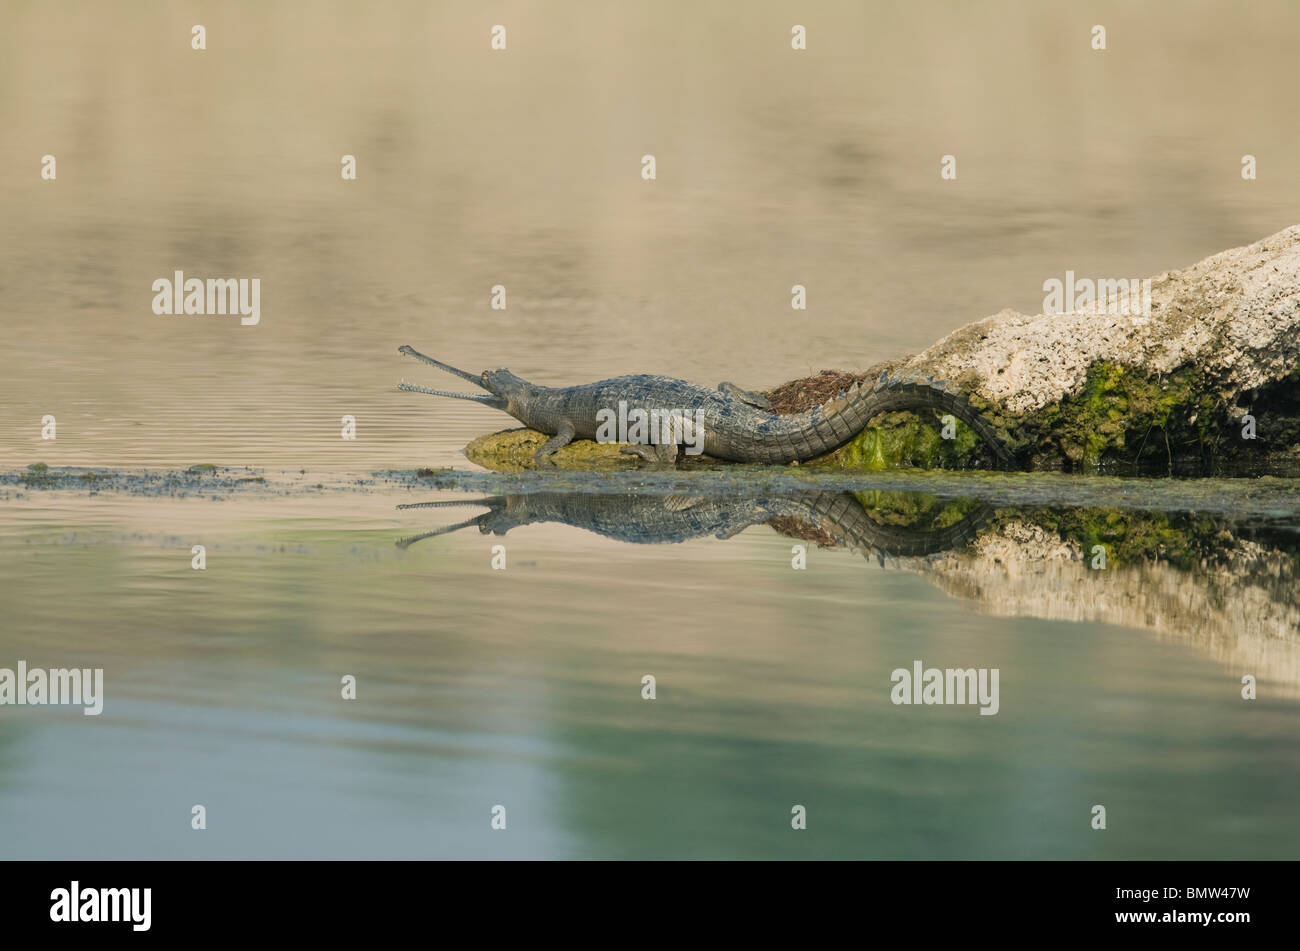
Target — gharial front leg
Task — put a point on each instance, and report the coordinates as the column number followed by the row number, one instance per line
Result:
column 563, row 436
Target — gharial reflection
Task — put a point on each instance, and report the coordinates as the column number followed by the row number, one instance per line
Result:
column 1227, row 587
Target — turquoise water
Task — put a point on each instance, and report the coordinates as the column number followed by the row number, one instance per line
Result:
column 522, row 687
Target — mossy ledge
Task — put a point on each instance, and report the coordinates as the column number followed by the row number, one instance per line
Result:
column 511, row 450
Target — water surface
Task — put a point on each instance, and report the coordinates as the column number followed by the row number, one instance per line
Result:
column 522, row 687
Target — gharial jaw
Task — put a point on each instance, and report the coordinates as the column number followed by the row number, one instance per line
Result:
column 492, row 399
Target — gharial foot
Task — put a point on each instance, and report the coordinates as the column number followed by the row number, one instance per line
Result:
column 563, row 436
column 661, row 454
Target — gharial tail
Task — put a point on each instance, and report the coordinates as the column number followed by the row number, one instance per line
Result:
column 896, row 397
column 824, row 428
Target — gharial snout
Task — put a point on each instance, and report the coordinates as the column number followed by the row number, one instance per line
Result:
column 488, row 399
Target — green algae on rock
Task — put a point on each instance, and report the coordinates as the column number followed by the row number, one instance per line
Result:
column 512, row 451
column 906, row 441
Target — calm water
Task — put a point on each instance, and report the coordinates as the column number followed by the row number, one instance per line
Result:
column 522, row 687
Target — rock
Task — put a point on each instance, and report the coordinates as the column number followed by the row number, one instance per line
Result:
column 1235, row 317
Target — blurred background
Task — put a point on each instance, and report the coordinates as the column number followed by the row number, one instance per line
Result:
column 522, row 168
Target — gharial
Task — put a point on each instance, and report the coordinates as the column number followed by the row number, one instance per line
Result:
column 738, row 425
